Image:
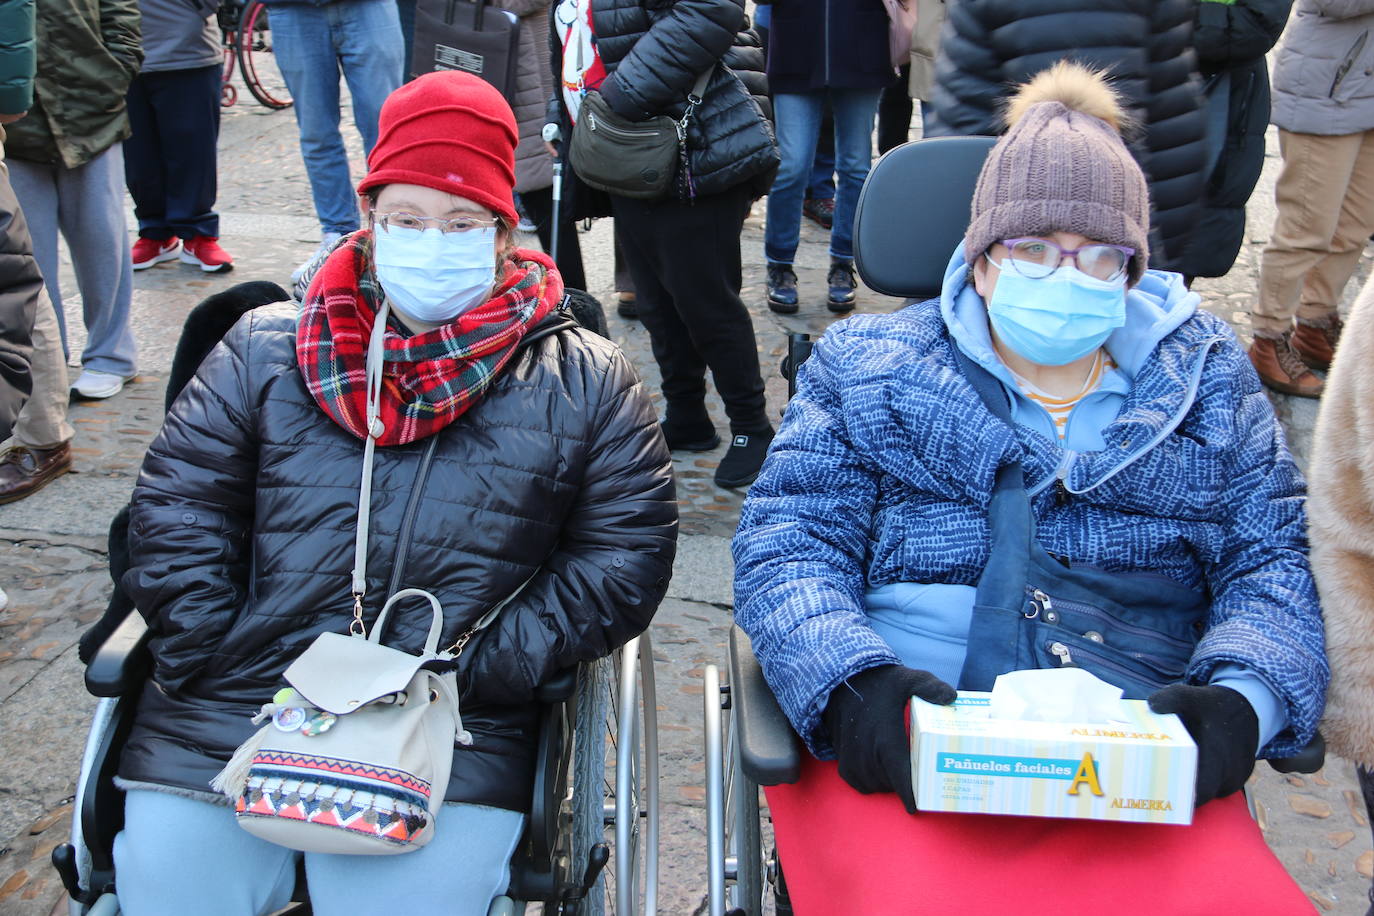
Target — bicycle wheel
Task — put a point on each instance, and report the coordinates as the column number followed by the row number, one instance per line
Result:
column 256, row 60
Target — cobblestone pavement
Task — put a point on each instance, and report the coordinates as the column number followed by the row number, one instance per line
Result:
column 53, row 562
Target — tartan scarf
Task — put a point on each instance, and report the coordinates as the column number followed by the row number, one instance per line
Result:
column 430, row 379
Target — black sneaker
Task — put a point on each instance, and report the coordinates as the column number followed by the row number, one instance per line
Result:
column 743, row 459
column 782, row 289
column 693, row 437
column 842, row 283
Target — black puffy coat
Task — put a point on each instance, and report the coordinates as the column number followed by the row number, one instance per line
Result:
column 1232, row 39
column 653, row 54
column 990, row 46
column 841, row 44
column 242, row 532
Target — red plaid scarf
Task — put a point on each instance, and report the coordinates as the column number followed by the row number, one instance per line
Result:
column 429, row 379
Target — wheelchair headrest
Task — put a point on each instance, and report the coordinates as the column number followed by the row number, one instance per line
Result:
column 913, row 211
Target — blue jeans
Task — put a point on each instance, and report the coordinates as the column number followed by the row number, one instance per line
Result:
column 798, row 126
column 312, row 44
column 176, row 856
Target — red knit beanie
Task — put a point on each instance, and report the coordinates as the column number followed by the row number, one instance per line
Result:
column 450, row 131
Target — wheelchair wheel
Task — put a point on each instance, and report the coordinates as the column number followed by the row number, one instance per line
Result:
column 257, row 63
column 735, row 859
column 615, row 780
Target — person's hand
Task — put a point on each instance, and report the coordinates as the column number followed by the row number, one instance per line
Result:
column 11, row 118
column 552, row 150
column 866, row 718
column 1224, row 728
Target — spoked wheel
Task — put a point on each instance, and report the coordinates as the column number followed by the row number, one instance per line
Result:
column 735, row 876
column 622, row 760
column 257, row 63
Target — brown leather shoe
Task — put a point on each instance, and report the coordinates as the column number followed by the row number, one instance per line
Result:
column 1281, row 369
column 1315, row 341
column 24, row 470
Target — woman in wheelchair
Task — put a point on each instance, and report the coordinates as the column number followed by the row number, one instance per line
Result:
column 518, row 456
column 1062, row 423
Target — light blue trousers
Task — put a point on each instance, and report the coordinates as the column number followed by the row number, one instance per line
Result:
column 85, row 204
column 177, row 856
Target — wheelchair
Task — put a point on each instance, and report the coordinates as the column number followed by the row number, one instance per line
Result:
column 596, row 773
column 749, row 742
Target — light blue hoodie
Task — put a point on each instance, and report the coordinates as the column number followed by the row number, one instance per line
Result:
column 927, row 624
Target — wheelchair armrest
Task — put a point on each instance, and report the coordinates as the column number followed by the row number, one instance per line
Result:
column 121, row 663
column 768, row 748
column 1308, row 760
column 558, row 688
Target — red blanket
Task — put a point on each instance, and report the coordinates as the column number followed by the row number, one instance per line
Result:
column 843, row 852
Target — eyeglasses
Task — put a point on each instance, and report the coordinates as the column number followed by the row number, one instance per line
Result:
column 1038, row 258
column 403, row 220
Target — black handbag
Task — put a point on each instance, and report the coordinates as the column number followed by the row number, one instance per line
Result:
column 627, row 158
column 465, row 35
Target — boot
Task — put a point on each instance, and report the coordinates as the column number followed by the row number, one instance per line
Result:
column 842, row 283
column 782, row 289
column 1282, row 369
column 1315, row 341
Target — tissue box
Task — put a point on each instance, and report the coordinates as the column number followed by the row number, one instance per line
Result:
column 1141, row 768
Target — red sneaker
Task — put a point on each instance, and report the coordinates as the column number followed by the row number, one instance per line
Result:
column 204, row 252
column 152, row 252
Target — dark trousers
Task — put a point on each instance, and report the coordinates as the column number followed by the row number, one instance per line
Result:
column 685, row 261
column 170, row 160
column 894, row 113
column 568, row 257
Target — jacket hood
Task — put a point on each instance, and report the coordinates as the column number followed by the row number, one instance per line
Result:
column 1155, row 308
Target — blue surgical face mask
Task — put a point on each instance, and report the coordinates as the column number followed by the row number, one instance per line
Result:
column 1056, row 319
column 435, row 276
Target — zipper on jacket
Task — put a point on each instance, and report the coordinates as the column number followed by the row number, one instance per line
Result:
column 1347, row 63
column 825, row 39
column 398, row 564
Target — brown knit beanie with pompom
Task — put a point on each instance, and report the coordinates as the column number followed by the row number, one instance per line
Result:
column 1062, row 167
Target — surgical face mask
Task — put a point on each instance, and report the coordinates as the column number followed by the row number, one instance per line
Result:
column 434, row 276
column 1057, row 319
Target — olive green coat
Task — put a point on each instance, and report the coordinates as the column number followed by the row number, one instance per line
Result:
column 89, row 51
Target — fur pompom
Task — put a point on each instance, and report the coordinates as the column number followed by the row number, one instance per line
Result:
column 1074, row 85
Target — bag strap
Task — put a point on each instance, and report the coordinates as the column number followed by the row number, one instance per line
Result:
column 376, row 351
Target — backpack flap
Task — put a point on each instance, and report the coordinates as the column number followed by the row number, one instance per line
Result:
column 341, row 674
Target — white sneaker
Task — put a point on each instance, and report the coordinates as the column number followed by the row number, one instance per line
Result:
column 4, row 599
column 327, row 241
column 94, row 385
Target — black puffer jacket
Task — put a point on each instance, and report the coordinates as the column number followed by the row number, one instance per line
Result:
column 242, row 531
column 990, row 46
column 654, row 52
column 1231, row 40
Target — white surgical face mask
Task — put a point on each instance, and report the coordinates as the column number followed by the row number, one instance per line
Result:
column 435, row 276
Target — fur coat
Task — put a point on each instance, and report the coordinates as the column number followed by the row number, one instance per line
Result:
column 1341, row 528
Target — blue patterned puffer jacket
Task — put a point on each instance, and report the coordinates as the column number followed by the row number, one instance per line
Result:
column 882, row 473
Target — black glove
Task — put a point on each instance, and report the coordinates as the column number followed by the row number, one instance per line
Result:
column 1224, row 728
column 866, row 720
